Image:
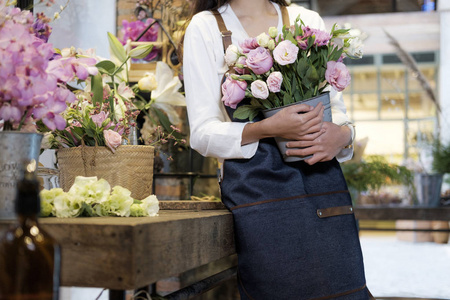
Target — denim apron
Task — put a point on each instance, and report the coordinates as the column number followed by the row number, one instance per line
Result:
column 295, row 231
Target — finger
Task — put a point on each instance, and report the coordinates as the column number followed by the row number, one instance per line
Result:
column 300, row 151
column 315, row 115
column 300, row 108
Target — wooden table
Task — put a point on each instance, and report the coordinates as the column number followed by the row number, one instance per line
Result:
column 130, row 253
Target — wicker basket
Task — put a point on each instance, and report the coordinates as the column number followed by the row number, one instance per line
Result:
column 130, row 167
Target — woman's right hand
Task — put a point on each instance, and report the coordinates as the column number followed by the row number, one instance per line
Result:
column 300, row 122
column 297, row 122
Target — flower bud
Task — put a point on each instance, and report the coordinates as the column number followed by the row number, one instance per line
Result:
column 273, row 32
column 148, row 83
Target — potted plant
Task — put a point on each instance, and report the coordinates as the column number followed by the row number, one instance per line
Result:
column 371, row 174
column 96, row 138
column 429, row 184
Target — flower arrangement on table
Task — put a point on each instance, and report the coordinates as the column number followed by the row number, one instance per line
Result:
column 278, row 69
column 106, row 106
column 91, row 197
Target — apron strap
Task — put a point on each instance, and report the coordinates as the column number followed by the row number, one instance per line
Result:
column 226, row 34
column 285, row 16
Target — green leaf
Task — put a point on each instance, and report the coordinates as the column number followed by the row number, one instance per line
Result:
column 244, row 112
column 287, row 99
column 141, row 51
column 106, row 67
column 302, row 67
column 97, row 89
column 312, row 75
column 116, row 48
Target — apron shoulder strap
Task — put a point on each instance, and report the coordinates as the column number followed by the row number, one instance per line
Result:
column 285, row 16
column 226, row 34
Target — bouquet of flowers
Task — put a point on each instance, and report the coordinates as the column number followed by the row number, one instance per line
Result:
column 278, row 69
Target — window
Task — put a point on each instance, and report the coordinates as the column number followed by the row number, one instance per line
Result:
column 389, row 105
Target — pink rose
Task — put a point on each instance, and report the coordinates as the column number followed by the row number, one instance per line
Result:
column 337, row 75
column 259, row 89
column 259, row 60
column 274, row 81
column 112, row 139
column 233, row 91
column 285, row 53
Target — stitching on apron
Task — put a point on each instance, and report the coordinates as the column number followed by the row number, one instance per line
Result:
column 341, row 294
column 288, row 198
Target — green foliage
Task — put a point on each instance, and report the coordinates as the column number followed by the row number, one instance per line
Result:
column 441, row 157
column 372, row 174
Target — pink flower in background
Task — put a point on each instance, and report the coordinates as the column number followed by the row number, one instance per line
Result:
column 274, row 81
column 285, row 53
column 112, row 139
column 259, row 89
column 99, row 118
column 233, row 91
column 337, row 75
column 259, row 60
column 321, row 38
column 249, row 44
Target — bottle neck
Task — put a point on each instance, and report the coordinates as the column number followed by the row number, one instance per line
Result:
column 27, row 220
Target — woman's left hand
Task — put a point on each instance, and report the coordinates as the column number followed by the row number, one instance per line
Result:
column 325, row 147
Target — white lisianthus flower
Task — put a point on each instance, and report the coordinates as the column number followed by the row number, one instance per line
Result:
column 259, row 89
column 47, row 140
column 90, row 189
column 231, row 54
column 148, row 83
column 167, row 94
column 67, row 206
column 263, row 40
column 355, row 48
column 150, row 206
column 119, row 202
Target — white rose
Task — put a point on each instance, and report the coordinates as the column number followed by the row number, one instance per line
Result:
column 231, row 55
column 263, row 40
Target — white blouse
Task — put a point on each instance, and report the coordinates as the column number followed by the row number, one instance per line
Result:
column 212, row 132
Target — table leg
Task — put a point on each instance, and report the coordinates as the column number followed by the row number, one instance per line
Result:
column 117, row 295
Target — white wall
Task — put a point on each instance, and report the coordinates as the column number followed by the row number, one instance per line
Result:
column 83, row 24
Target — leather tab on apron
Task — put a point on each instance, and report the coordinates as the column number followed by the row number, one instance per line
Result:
column 334, row 211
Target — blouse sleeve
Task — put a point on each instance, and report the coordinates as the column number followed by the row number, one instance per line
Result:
column 212, row 133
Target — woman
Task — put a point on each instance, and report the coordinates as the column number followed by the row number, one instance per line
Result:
column 296, row 236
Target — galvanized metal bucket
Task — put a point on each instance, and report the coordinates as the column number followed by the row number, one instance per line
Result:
column 16, row 150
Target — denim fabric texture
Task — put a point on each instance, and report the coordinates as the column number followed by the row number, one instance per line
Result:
column 285, row 251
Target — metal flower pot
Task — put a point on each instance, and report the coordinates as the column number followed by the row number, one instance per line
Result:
column 16, row 150
column 428, row 189
column 281, row 142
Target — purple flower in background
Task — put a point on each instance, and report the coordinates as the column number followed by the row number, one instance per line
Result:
column 41, row 28
column 132, row 30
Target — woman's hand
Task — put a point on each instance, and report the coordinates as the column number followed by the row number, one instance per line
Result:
column 298, row 122
column 332, row 139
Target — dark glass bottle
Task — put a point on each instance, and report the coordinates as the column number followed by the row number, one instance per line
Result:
column 30, row 258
